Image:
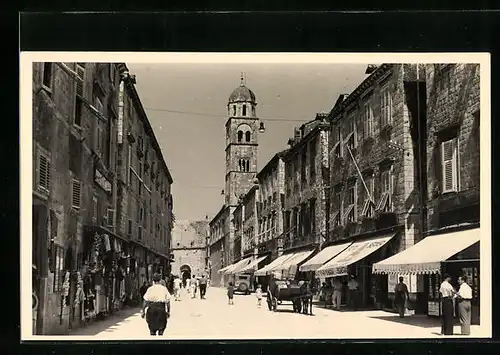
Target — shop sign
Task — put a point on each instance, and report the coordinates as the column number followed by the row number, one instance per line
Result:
column 434, row 308
column 102, row 181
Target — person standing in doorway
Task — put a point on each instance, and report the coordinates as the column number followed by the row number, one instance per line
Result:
column 230, row 293
column 337, row 293
column 203, row 287
column 156, row 308
column 353, row 287
column 464, row 296
column 447, row 292
column 401, row 297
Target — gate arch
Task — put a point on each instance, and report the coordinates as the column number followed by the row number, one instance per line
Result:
column 185, row 272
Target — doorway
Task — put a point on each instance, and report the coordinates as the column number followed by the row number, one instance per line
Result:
column 185, row 271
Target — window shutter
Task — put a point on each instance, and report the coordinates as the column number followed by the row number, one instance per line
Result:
column 448, row 156
column 80, row 72
column 76, row 194
column 44, row 172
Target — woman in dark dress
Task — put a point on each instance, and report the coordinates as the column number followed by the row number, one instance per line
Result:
column 156, row 306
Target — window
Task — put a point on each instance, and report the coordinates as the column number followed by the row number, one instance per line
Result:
column 244, row 110
column 253, row 110
column 139, row 232
column 234, row 110
column 59, row 267
column 368, row 206
column 303, row 163
column 312, row 159
column 76, row 194
column 449, row 163
column 98, row 105
column 100, row 140
column 47, row 75
column 80, row 76
column 368, row 120
column 129, row 227
column 351, row 139
column 110, row 219
column 43, row 182
column 336, row 218
column 94, row 209
column 129, row 164
column 385, row 203
column 248, row 135
column 350, row 213
column 385, row 106
column 240, row 136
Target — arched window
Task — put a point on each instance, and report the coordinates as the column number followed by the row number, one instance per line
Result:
column 248, row 165
column 240, row 136
column 247, row 136
column 253, row 110
column 244, row 110
column 234, row 110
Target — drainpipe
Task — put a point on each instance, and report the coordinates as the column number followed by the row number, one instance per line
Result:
column 422, row 159
column 124, row 75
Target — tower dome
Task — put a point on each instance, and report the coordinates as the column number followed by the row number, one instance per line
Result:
column 242, row 94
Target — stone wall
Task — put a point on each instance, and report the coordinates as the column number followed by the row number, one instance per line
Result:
column 453, row 110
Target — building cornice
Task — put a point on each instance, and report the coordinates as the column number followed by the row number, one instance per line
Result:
column 360, row 90
column 273, row 162
column 322, row 126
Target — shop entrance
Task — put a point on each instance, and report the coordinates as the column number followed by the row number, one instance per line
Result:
column 185, row 272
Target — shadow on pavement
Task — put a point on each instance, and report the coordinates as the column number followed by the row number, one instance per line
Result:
column 417, row 321
column 108, row 324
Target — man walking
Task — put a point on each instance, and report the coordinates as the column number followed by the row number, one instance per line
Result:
column 447, row 292
column 177, row 288
column 203, row 286
column 464, row 296
column 352, row 286
column 401, row 297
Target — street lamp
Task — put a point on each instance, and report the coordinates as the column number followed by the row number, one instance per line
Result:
column 262, row 128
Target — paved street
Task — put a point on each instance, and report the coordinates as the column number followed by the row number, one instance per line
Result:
column 213, row 318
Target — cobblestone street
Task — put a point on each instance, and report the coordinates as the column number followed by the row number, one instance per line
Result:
column 213, row 318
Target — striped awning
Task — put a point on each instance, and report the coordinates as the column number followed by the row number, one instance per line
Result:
column 240, row 265
column 289, row 267
column 230, row 269
column 352, row 254
column 269, row 267
column 426, row 256
column 323, row 257
column 253, row 264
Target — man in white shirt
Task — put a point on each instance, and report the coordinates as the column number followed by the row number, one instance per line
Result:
column 447, row 293
column 177, row 288
column 464, row 296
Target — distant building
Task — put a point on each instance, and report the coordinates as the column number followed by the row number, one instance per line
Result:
column 242, row 127
column 307, row 179
column 189, row 240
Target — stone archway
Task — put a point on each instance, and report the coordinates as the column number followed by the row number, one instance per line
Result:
column 185, row 271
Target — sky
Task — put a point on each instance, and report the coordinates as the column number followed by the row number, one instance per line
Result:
column 187, row 107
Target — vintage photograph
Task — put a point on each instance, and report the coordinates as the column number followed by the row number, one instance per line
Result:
column 255, row 196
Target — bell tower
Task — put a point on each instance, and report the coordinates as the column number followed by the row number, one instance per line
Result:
column 242, row 127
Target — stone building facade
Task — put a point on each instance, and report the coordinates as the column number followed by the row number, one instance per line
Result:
column 78, row 248
column 145, row 209
column 453, row 144
column 306, row 180
column 189, row 240
column 219, row 232
column 377, row 169
column 270, row 207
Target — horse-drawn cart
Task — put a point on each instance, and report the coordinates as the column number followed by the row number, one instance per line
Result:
column 296, row 292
